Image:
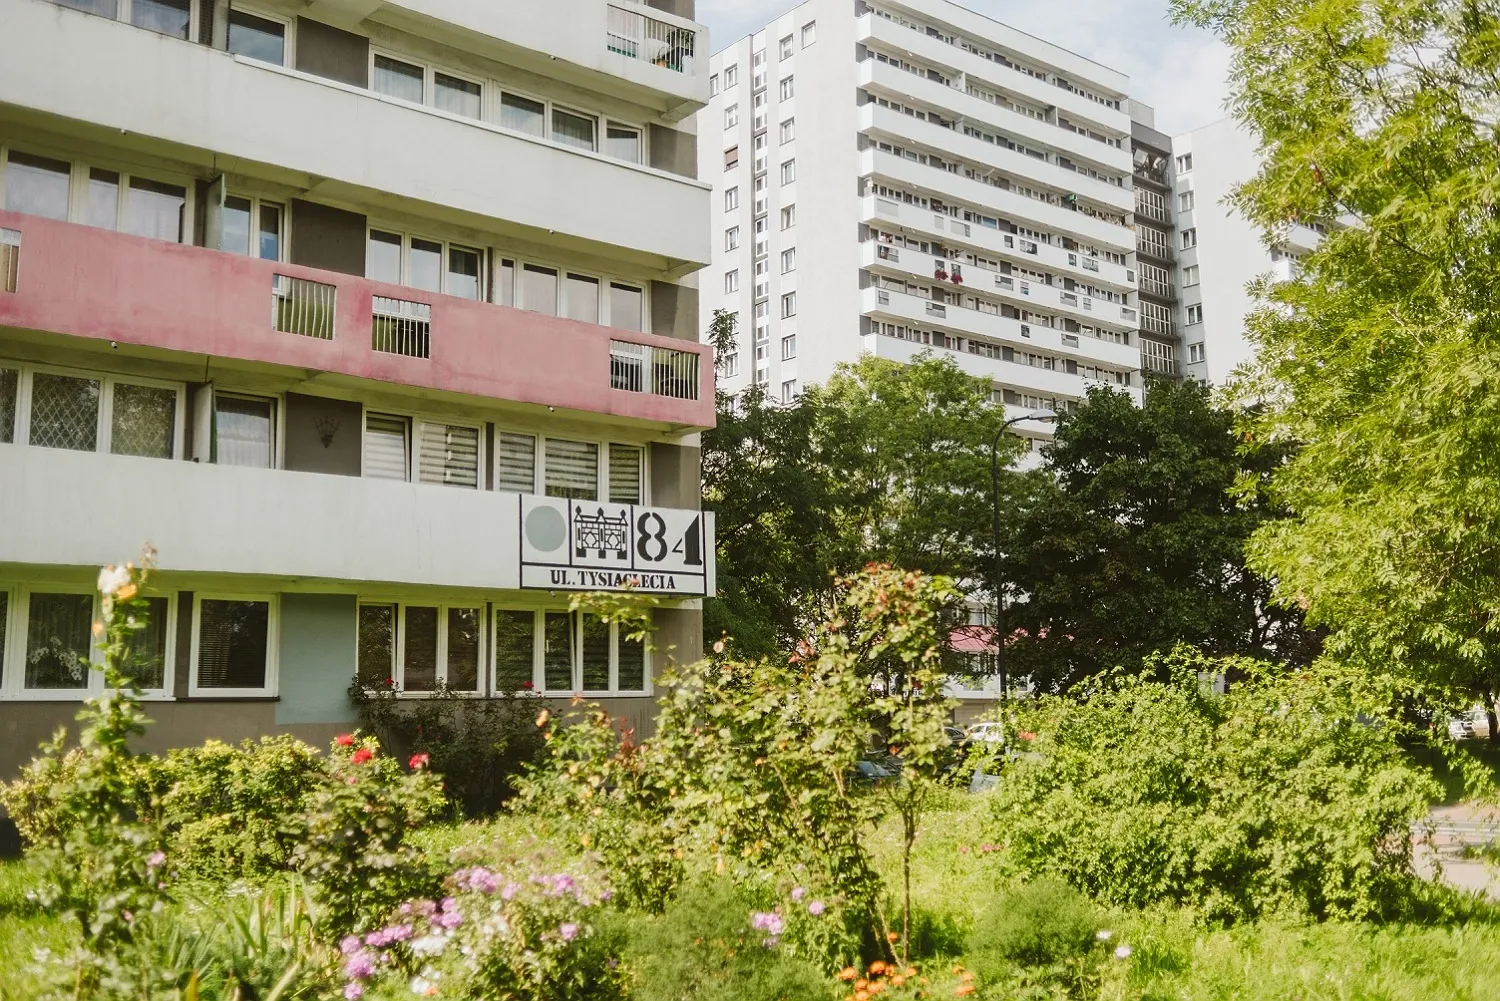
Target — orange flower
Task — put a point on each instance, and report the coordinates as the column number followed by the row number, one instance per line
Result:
column 861, row 996
column 910, row 971
column 542, row 718
column 891, row 936
column 897, row 980
column 877, row 968
column 967, row 978
column 848, row 973
column 959, row 992
column 957, row 969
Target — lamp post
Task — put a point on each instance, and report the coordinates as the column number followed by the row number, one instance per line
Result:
column 999, row 625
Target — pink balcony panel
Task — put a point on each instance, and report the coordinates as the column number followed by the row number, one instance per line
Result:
column 73, row 279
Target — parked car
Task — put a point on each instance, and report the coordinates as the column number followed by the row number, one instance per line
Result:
column 871, row 772
column 1469, row 725
column 987, row 733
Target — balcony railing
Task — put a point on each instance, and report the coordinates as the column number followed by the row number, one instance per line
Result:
column 642, row 368
column 640, row 36
column 401, row 327
column 299, row 306
column 10, row 259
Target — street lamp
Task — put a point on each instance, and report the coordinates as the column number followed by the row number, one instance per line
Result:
column 999, row 625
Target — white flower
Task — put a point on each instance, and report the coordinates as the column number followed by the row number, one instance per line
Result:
column 420, row 985
column 1105, row 936
column 111, row 579
column 428, row 945
column 1123, row 952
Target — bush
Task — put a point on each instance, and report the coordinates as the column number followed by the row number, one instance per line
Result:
column 477, row 745
column 1278, row 797
column 1036, row 924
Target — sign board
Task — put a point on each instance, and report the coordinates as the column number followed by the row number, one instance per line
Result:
column 578, row 545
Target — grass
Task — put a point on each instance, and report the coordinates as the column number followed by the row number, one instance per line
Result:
column 24, row 929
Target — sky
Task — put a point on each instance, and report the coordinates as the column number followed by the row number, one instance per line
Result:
column 1178, row 71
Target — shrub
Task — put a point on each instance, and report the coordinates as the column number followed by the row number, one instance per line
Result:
column 477, row 746
column 1278, row 797
column 1036, row 924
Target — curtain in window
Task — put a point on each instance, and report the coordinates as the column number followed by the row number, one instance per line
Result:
column 625, row 474
column 572, row 130
column 595, row 654
column 457, row 96
column 243, row 432
column 10, row 380
column 146, row 654
column 515, row 461
column 386, row 452
column 572, row 469
column 376, row 652
column 523, row 114
column 57, row 640
column 449, row 456
column 463, row 649
column 581, row 298
column 154, row 209
column 233, row 639
column 397, row 79
column 36, row 185
column 143, row 421
column 632, row 666
column 64, row 412
column 557, row 651
column 515, row 648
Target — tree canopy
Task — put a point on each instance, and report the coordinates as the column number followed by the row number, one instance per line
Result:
column 1139, row 545
column 1383, row 360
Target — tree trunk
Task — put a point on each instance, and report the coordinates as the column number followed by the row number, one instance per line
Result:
column 1489, row 715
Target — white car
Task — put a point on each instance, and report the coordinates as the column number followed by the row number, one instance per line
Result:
column 987, row 733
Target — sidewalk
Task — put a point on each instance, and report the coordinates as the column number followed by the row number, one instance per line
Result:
column 1456, row 829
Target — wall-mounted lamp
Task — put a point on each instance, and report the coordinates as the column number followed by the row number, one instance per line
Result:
column 327, row 427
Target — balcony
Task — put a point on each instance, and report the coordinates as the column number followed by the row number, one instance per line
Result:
column 85, row 282
column 999, row 201
column 203, row 107
column 308, row 526
column 885, row 213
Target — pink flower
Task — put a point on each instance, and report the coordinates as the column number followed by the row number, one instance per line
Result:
column 417, row 762
column 344, row 740
column 362, row 755
column 815, row 908
column 568, row 931
column 798, row 894
column 155, row 859
column 353, row 991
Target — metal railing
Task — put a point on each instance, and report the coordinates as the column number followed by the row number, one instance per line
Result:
column 10, row 259
column 400, row 327
column 639, row 36
column 299, row 306
column 641, row 368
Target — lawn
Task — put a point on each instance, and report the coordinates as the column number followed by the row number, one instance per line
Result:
column 958, row 875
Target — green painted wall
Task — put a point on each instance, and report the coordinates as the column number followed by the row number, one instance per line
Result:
column 317, row 658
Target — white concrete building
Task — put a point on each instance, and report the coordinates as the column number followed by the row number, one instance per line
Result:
column 1219, row 253
column 891, row 178
column 376, row 318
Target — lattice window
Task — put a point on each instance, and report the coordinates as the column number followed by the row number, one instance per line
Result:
column 64, row 412
column 10, row 382
column 143, row 421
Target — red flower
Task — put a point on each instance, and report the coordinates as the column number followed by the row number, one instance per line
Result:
column 343, row 740
column 390, row 682
column 1026, row 735
column 528, row 686
column 362, row 755
column 418, row 761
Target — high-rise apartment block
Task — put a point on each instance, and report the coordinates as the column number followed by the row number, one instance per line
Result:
column 1155, row 242
column 370, row 316
column 893, row 178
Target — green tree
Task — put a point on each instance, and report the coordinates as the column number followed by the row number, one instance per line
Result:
column 887, row 463
column 1141, row 546
column 1383, row 360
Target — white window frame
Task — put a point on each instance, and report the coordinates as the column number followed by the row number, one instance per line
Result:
column 256, row 203
column 789, row 260
column 538, row 663
column 288, row 30
column 789, row 171
column 398, row 668
column 78, row 185
column 809, row 33
column 786, row 89
column 517, row 298
column 539, row 461
column 788, row 130
column 1190, row 238
column 430, row 70
column 1195, row 314
column 731, row 75
column 278, row 423
column 789, row 299
column 788, row 216
column 123, row 14
column 273, row 647
column 731, row 115
column 13, row 652
column 104, row 428
column 789, row 347
column 407, row 236
column 713, row 85
column 731, row 281
column 731, row 198
column 1191, row 272
column 1196, row 353
column 731, row 239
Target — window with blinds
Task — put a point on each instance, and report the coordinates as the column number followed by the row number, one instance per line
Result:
column 572, row 469
column 625, row 463
column 387, row 447
column 515, row 649
column 515, row 462
column 448, row 455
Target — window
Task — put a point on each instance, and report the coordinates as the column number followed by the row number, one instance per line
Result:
column 786, row 89
column 626, row 474
column 539, row 289
column 1195, row 353
column 731, row 116
column 572, row 129
column 1184, row 163
column 789, row 217
column 1190, row 238
column 1195, row 313
column 418, row 262
column 515, row 462
column 581, row 298
column 786, row 47
column 233, row 652
column 168, row 17
column 248, row 226
column 731, row 364
column 731, row 281
column 1185, row 201
column 788, row 130
column 244, row 431
column 572, row 469
column 90, row 413
column 789, row 172
column 10, row 393
column 448, row 455
column 36, row 185
column 731, row 158
column 58, row 641
column 789, row 347
column 626, row 307
column 731, row 238
column 713, row 84
column 809, row 33
column 387, row 447
column 1190, row 275
column 577, row 653
column 789, row 391
column 420, row 647
column 789, row 305
column 732, row 199
column 155, row 209
column 257, row 38
column 398, row 79
column 789, row 260
column 455, row 95
column 731, row 76
column 523, row 114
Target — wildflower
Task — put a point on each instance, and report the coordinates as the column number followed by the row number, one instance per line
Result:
column 877, row 968
column 353, row 991
column 360, row 965
column 848, row 973
column 527, row 686
column 542, row 718
column 815, row 908
column 350, row 945
column 797, row 894
column 449, row 920
column 362, row 755
column 1123, row 952
column 417, row 762
column 767, row 921
column 509, row 890
column 112, row 580
column 428, row 945
column 568, row 930
column 390, row 682
column 344, row 740
column 962, row 990
column 1026, row 735
column 1105, row 935
column 420, row 985
column 891, row 936
column 155, row 859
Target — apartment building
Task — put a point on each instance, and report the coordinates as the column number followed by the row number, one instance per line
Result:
column 1221, row 253
column 1156, row 205
column 377, row 320
column 893, row 178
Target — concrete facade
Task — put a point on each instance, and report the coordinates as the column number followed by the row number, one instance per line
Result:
column 370, row 317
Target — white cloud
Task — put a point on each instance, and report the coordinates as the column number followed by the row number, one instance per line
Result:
column 1178, row 71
